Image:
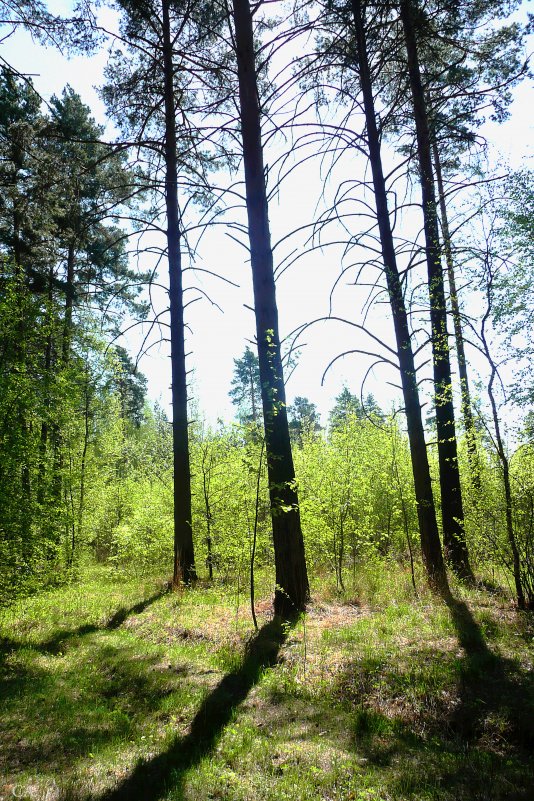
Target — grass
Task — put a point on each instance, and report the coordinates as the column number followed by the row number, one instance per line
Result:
column 115, row 688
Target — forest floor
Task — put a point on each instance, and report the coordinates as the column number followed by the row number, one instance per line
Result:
column 114, row 688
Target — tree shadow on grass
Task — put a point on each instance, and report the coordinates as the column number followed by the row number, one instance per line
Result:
column 54, row 644
column 447, row 724
column 151, row 780
column 486, row 743
column 56, row 713
column 493, row 687
column 67, row 735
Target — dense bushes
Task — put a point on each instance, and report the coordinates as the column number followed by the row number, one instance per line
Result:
column 116, row 506
column 356, row 497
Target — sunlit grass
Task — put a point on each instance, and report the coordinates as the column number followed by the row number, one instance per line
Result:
column 376, row 695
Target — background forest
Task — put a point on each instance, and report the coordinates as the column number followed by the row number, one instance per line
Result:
column 87, row 463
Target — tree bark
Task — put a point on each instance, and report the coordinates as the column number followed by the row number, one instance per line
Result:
column 43, row 442
column 70, row 293
column 20, row 272
column 184, row 557
column 467, row 408
column 253, row 396
column 454, row 542
column 57, row 434
column 81, row 500
column 292, row 588
column 428, row 529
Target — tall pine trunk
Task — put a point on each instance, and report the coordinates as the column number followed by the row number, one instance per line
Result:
column 70, row 294
column 66, row 343
column 184, row 557
column 47, row 378
column 83, row 463
column 454, row 542
column 25, row 476
column 428, row 529
column 292, row 589
column 467, row 408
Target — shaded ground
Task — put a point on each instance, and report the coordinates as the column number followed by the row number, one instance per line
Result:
column 120, row 690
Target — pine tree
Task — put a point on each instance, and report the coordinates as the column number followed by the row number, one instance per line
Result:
column 451, row 492
column 291, row 575
column 303, row 418
column 430, row 544
column 61, row 261
column 346, row 405
column 151, row 94
column 246, row 388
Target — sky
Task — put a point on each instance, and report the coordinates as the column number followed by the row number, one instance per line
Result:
column 215, row 338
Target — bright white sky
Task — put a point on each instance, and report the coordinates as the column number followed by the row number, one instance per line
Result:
column 303, row 291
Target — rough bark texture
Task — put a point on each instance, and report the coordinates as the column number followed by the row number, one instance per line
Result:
column 428, row 529
column 292, row 589
column 451, row 494
column 467, row 408
column 184, row 557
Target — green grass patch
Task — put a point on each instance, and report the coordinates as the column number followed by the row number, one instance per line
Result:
column 115, row 688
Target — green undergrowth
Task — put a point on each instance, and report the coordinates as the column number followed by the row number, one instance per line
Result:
column 116, row 688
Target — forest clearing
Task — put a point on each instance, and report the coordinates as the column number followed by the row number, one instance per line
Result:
column 120, row 689
column 266, row 401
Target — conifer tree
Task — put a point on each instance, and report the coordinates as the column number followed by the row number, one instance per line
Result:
column 358, row 68
column 430, row 544
column 246, row 388
column 61, row 261
column 451, row 492
column 292, row 589
column 151, row 95
column 303, row 418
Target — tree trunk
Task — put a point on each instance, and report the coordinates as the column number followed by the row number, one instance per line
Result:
column 428, row 529
column 292, row 589
column 253, row 396
column 501, row 452
column 43, row 442
column 69, row 304
column 454, row 543
column 20, row 273
column 206, row 487
column 467, row 409
column 57, row 435
column 184, row 557
column 81, row 501
column 505, row 464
